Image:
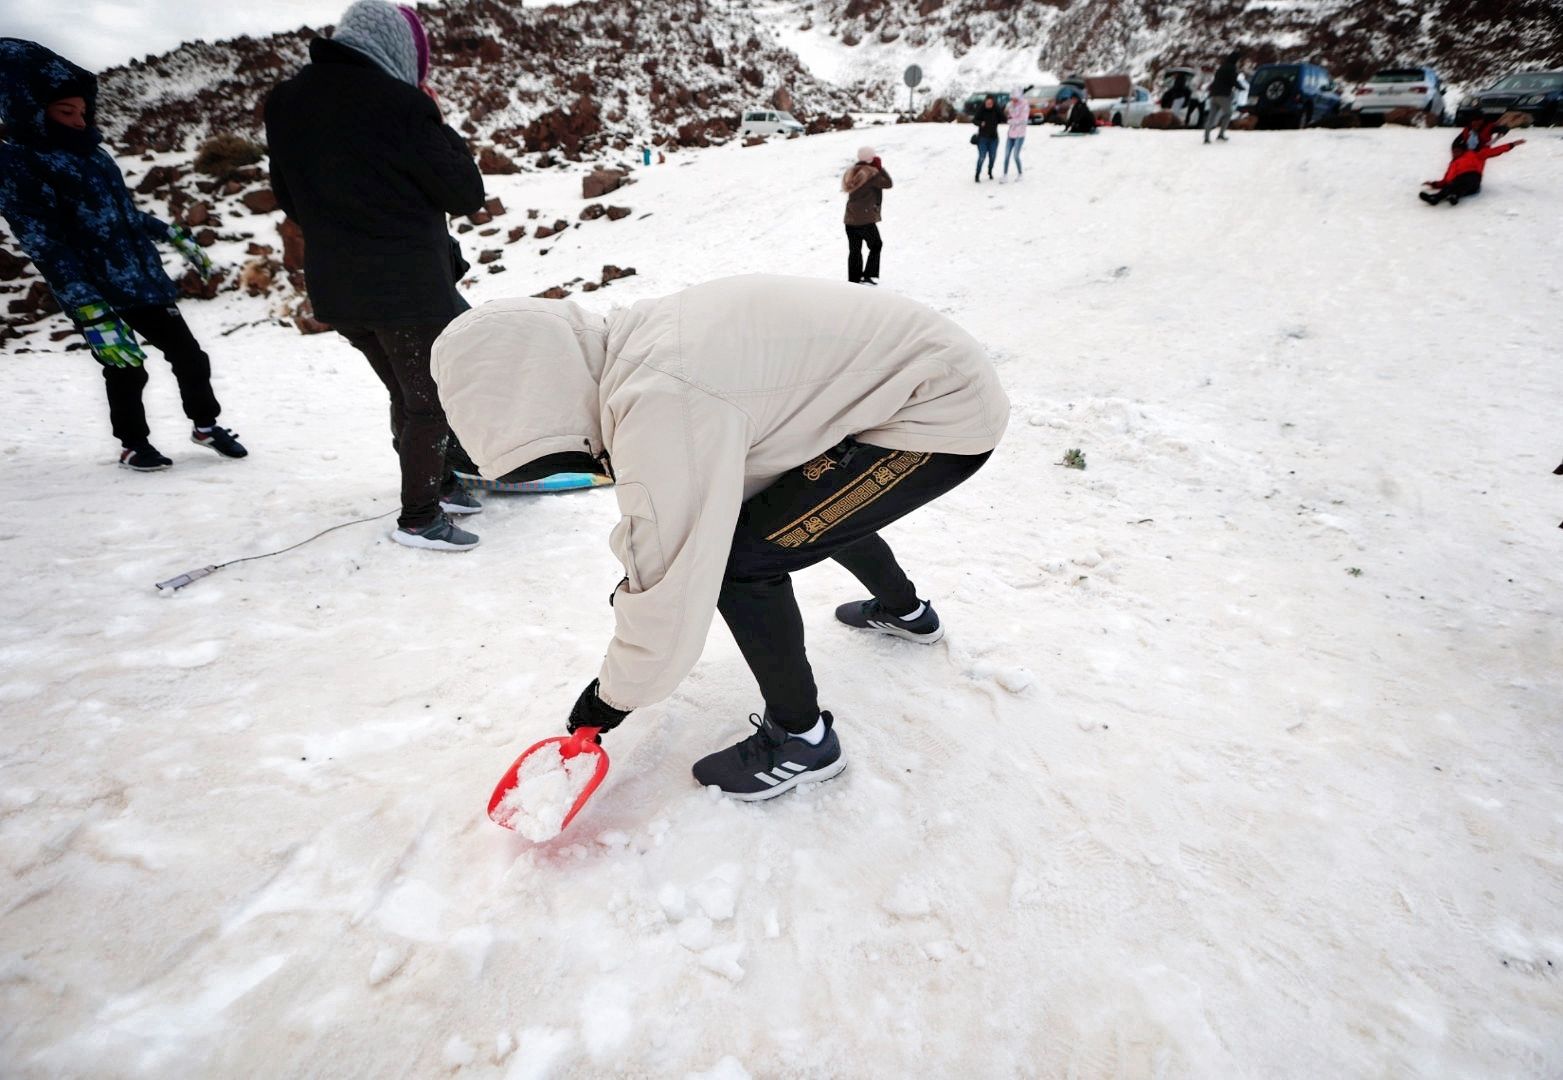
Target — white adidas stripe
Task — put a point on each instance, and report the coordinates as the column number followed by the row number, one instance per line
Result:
column 793, row 765
column 772, row 781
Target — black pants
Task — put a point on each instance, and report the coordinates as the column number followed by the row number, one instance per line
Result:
column 164, row 329
column 420, row 435
column 857, row 236
column 831, row 508
column 1460, row 187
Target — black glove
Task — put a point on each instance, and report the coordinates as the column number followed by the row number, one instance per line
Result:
column 591, row 711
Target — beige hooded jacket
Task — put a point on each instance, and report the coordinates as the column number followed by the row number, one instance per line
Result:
column 701, row 399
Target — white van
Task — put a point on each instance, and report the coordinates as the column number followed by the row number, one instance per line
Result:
column 769, row 122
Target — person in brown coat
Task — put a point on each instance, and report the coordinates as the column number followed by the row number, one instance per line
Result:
column 864, row 183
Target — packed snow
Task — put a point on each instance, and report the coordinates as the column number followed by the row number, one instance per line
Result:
column 1240, row 756
column 546, row 789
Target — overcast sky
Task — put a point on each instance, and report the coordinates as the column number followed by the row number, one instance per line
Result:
column 101, row 33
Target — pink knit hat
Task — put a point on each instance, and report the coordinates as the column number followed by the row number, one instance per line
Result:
column 420, row 40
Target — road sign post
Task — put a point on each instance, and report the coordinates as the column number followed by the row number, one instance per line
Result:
column 913, row 76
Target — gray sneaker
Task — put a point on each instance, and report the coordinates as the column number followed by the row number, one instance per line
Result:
column 439, row 535
column 458, row 500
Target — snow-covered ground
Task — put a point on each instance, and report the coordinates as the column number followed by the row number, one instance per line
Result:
column 1181, row 794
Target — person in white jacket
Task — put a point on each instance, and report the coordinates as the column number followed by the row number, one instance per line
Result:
column 1018, row 113
column 754, row 426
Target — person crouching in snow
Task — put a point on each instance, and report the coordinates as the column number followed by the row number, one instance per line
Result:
column 755, row 426
column 865, row 183
column 66, row 201
column 1464, row 176
column 362, row 159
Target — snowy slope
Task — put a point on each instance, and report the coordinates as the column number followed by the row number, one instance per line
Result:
column 1178, row 795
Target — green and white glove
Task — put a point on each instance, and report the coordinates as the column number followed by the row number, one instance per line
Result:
column 111, row 341
column 194, row 253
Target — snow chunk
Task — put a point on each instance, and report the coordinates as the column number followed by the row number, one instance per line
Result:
column 717, row 895
column 908, row 900
column 547, row 785
column 723, row 959
column 458, row 1053
column 729, row 1068
column 695, row 934
column 387, row 962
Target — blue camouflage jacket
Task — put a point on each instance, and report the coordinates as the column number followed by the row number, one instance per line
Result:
column 64, row 196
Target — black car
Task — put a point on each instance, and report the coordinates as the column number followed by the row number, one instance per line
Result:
column 1292, row 95
column 1539, row 93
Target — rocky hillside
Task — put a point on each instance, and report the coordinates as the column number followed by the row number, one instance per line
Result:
column 564, row 81
column 1471, row 41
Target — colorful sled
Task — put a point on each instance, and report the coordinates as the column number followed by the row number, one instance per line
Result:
column 568, row 481
column 584, row 741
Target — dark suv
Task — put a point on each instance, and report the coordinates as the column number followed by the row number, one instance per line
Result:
column 1539, row 93
column 1292, row 95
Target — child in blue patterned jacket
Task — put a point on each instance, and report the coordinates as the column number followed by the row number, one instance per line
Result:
column 67, row 204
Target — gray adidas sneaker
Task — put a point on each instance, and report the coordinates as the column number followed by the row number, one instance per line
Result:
column 458, row 500
column 439, row 535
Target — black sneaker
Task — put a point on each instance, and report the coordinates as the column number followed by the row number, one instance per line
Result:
column 871, row 615
column 144, row 458
column 1427, row 197
column 438, row 535
column 458, row 500
column 771, row 762
column 220, row 439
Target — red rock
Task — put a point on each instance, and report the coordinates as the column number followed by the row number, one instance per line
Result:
column 255, row 278
column 192, row 287
column 555, row 293
column 38, row 301
column 304, row 319
column 157, row 176
column 263, row 201
column 1163, row 120
column 464, row 227
column 516, row 234
column 614, row 273
column 489, row 256
column 543, row 232
column 232, row 187
column 482, row 217
column 11, row 266
column 258, row 249
column 206, row 237
column 590, row 286
column 196, row 216
column 494, row 207
column 593, row 212
column 599, row 182
column 493, row 163
column 489, row 232
column 617, row 212
column 1246, row 122
column 496, row 269
column 1409, row 117
column 292, row 244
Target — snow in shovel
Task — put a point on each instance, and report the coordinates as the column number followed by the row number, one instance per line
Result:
column 547, row 785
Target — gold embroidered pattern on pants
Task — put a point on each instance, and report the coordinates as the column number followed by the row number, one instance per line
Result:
column 886, row 474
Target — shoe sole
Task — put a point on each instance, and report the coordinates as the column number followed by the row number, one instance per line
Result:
column 921, row 639
column 453, row 508
column 413, row 540
column 816, row 776
column 146, row 468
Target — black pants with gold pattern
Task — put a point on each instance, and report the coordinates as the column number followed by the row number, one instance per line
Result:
column 830, row 508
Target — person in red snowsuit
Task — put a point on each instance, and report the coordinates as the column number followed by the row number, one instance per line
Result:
column 1476, row 135
column 1464, row 176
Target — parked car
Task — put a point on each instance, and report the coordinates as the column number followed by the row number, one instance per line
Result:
column 1292, row 95
column 1130, row 110
column 769, row 122
column 1539, row 93
column 974, row 102
column 1400, row 88
column 1042, row 100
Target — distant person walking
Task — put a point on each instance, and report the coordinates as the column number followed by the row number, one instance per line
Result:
column 987, row 118
column 1223, row 87
column 865, row 183
column 1018, row 113
column 69, row 208
column 363, row 160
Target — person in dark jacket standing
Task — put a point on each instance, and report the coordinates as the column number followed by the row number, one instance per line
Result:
column 1223, row 86
column 362, row 159
column 67, row 204
column 865, row 183
column 987, row 118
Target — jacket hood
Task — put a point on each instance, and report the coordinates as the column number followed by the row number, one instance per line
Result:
column 31, row 77
column 856, row 176
column 520, row 379
column 380, row 31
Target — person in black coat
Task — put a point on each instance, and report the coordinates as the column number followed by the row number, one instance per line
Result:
column 988, row 117
column 363, row 161
column 1223, row 87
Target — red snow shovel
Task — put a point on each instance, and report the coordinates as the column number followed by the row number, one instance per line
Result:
column 584, row 741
